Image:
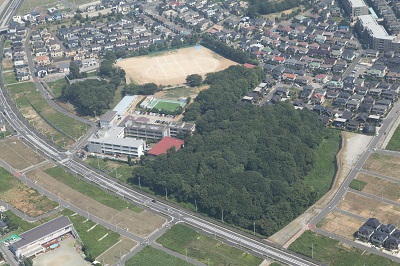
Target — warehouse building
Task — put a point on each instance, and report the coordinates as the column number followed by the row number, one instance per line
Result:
column 37, row 240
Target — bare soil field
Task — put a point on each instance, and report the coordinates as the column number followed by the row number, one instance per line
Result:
column 113, row 255
column 340, row 224
column 27, row 200
column 384, row 164
column 141, row 224
column 180, row 92
column 380, row 187
column 64, row 255
column 7, row 64
column 172, row 67
column 17, row 154
column 366, row 207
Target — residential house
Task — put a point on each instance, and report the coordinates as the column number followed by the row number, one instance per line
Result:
column 378, row 238
column 42, row 60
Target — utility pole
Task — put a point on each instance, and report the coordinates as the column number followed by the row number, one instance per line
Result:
column 222, row 215
column 254, row 228
column 140, row 186
column 195, row 203
column 166, row 193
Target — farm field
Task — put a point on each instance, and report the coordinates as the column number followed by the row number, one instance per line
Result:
column 332, row 252
column 340, row 224
column 172, row 67
column 383, row 164
column 366, row 208
column 153, row 257
column 31, row 103
column 181, row 238
column 23, row 198
column 17, row 154
column 380, row 187
column 141, row 224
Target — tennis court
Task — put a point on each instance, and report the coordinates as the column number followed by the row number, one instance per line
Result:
column 167, row 105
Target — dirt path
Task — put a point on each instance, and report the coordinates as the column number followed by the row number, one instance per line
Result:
column 353, row 145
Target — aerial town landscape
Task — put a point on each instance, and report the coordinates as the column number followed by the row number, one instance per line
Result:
column 199, row 132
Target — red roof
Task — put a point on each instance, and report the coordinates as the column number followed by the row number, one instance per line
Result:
column 164, row 144
column 246, row 65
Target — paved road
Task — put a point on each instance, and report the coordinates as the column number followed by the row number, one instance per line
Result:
column 358, row 217
column 391, row 179
column 359, row 245
column 45, row 94
column 353, row 173
column 379, row 197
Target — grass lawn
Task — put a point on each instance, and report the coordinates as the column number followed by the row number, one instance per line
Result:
column 24, row 91
column 9, row 78
column 90, row 238
column 7, row 180
column 7, row 44
column 56, row 86
column 92, row 74
column 117, row 97
column 4, row 134
column 90, row 190
column 332, row 252
column 166, row 106
column 116, row 169
column 394, row 143
column 30, row 5
column 22, row 225
column 181, row 238
column 321, row 176
column 153, row 257
column 357, row 184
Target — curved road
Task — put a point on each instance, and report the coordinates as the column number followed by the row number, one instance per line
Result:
column 371, row 147
column 32, row 138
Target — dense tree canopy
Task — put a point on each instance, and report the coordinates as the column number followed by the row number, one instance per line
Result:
column 246, row 161
column 226, row 50
column 194, row 80
column 145, row 89
column 90, row 96
column 74, row 71
column 262, row 7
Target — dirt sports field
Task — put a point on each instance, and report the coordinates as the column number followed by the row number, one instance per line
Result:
column 173, row 67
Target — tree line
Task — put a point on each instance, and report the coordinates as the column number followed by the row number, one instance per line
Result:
column 244, row 163
column 226, row 50
column 262, row 7
column 92, row 96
